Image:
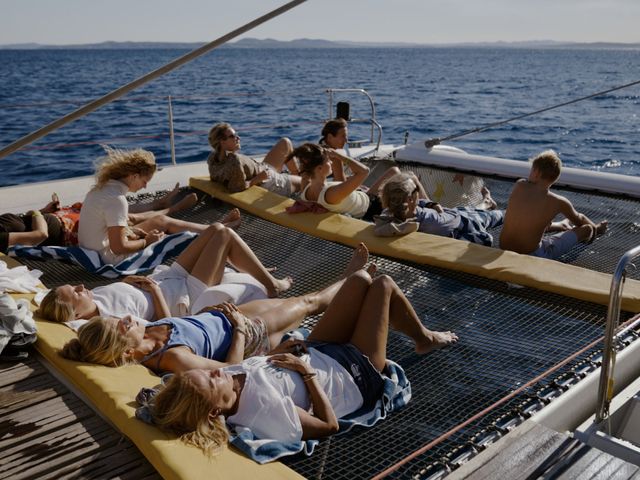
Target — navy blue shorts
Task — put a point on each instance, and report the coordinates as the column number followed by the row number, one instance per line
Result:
column 367, row 378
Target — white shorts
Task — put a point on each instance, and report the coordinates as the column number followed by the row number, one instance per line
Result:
column 277, row 182
column 186, row 294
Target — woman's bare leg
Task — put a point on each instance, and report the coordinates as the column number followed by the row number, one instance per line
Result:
column 224, row 245
column 282, row 315
column 279, row 153
column 173, row 225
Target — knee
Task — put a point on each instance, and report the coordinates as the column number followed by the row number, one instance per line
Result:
column 394, row 171
column 217, row 230
column 384, row 283
column 285, row 144
column 360, row 277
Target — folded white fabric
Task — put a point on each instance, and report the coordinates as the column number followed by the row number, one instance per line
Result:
column 18, row 279
column 15, row 318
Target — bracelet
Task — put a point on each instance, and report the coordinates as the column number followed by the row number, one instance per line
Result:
column 309, row 376
column 36, row 213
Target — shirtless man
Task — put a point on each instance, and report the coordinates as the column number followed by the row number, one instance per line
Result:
column 532, row 208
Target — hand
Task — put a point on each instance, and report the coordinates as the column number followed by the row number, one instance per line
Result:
column 438, row 208
column 51, row 207
column 233, row 314
column 153, row 236
column 294, row 346
column 261, row 177
column 291, row 362
column 138, row 231
column 143, row 283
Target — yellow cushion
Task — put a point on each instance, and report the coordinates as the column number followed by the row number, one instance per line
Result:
column 422, row 248
column 112, row 392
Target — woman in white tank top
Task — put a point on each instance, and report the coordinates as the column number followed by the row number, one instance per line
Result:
column 346, row 196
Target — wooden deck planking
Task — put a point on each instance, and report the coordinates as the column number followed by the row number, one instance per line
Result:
column 46, row 432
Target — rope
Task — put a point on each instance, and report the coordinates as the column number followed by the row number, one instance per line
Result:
column 91, row 106
column 435, row 141
column 482, row 413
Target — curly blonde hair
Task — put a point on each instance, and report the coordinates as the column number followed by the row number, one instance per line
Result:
column 98, row 342
column 396, row 193
column 216, row 135
column 182, row 408
column 118, row 164
column 55, row 310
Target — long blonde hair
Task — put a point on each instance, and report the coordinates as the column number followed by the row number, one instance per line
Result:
column 216, row 135
column 181, row 407
column 55, row 310
column 98, row 342
column 119, row 164
column 396, row 193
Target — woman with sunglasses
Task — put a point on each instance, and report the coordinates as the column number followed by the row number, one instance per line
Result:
column 237, row 172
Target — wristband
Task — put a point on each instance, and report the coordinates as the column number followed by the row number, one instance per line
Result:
column 309, row 376
column 36, row 213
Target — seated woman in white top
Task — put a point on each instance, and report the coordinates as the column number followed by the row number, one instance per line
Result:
column 345, row 196
column 287, row 397
column 181, row 290
column 104, row 218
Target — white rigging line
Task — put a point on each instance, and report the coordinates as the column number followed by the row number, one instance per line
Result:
column 178, row 62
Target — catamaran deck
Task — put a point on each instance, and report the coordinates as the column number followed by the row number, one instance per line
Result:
column 509, row 336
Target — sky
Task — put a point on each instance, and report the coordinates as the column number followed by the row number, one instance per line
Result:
column 64, row 22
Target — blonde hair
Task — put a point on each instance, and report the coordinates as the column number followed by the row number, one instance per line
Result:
column 396, row 193
column 216, row 135
column 548, row 163
column 98, row 342
column 118, row 164
column 181, row 407
column 55, row 310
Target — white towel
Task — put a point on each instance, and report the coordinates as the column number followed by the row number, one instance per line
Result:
column 18, row 279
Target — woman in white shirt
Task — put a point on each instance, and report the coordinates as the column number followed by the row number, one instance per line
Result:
column 104, row 218
column 347, row 196
column 182, row 289
column 302, row 388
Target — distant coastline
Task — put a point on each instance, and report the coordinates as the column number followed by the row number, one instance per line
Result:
column 314, row 43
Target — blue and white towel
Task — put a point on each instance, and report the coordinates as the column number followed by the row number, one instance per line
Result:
column 396, row 394
column 146, row 259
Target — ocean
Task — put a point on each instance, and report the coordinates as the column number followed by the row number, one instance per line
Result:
column 270, row 93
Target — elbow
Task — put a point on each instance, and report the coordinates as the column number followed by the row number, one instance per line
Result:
column 333, row 427
column 40, row 237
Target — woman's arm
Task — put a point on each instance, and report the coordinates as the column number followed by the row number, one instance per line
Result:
column 38, row 234
column 323, row 422
column 239, row 335
column 181, row 359
column 161, row 309
column 121, row 244
column 338, row 193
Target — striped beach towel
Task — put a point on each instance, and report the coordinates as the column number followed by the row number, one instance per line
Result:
column 141, row 261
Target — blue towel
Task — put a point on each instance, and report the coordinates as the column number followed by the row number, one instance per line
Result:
column 396, row 394
column 146, row 259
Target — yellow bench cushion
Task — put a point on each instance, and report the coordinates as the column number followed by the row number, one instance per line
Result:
column 422, row 248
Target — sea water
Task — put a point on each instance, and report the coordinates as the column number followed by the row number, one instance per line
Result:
column 270, row 93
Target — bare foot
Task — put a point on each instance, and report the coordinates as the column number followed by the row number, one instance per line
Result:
column 167, row 200
column 187, row 202
column 358, row 260
column 488, row 203
column 280, row 285
column 371, row 269
column 232, row 219
column 435, row 340
column 601, row 227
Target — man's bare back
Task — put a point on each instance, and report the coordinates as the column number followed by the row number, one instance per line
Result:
column 531, row 209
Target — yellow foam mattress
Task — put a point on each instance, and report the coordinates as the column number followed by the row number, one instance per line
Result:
column 112, row 392
column 422, row 248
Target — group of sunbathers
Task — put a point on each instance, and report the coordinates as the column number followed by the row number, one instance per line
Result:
column 225, row 352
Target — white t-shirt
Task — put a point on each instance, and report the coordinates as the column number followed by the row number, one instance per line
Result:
column 102, row 208
column 270, row 395
column 120, row 299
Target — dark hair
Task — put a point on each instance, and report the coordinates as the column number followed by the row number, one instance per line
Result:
column 310, row 156
column 333, row 127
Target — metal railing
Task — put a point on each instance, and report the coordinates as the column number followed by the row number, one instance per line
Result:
column 371, row 120
column 605, row 387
